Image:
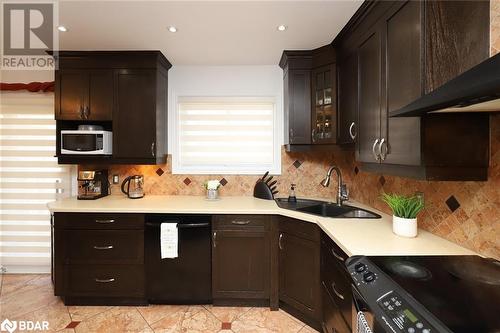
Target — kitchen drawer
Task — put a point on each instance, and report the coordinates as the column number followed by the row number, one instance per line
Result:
column 104, row 280
column 299, row 228
column 333, row 249
column 98, row 221
column 103, row 246
column 332, row 319
column 261, row 222
column 335, row 280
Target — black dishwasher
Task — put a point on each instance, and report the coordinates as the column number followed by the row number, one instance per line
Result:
column 186, row 279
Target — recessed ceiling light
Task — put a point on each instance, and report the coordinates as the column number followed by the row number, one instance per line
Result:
column 282, row 27
column 172, row 29
column 62, row 28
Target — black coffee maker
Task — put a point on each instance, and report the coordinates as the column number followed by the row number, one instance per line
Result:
column 92, row 184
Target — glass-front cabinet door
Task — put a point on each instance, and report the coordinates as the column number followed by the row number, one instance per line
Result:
column 324, row 108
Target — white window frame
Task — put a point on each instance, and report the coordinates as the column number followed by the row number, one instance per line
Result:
column 177, row 168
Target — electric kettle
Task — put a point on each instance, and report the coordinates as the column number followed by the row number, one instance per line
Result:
column 132, row 186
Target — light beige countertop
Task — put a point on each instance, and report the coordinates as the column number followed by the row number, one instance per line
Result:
column 354, row 236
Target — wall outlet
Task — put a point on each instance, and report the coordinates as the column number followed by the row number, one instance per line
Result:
column 116, row 179
column 420, row 195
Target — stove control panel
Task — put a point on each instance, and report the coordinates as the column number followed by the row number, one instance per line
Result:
column 390, row 304
column 403, row 315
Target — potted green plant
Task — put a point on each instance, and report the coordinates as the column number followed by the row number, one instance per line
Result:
column 405, row 210
column 212, row 187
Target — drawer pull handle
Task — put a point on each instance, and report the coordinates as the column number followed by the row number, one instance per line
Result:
column 105, row 221
column 105, row 280
column 339, row 295
column 240, row 222
column 109, row 247
column 280, row 244
column 339, row 257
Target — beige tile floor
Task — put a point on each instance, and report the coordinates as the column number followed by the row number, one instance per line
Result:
column 31, row 297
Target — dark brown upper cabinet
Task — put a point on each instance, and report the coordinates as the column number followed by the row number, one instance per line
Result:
column 324, row 105
column 124, row 91
column 84, row 94
column 347, row 100
column 310, row 98
column 400, row 47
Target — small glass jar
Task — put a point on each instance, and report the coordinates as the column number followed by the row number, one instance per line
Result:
column 212, row 194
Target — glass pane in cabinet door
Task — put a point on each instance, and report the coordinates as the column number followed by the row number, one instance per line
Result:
column 320, row 78
column 328, row 96
column 328, row 82
column 319, row 97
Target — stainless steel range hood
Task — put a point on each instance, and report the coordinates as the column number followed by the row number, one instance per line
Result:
column 476, row 90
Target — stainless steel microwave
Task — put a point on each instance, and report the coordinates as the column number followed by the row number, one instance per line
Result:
column 78, row 142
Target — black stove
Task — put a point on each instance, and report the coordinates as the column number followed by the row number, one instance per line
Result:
column 427, row 294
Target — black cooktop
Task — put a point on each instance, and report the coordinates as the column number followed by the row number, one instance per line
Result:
column 463, row 292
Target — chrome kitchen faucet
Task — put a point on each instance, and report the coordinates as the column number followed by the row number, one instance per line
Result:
column 342, row 192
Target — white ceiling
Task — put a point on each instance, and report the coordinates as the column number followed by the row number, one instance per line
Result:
column 209, row 32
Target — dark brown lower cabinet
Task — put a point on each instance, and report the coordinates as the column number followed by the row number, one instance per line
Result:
column 335, row 288
column 241, row 260
column 98, row 259
column 299, row 270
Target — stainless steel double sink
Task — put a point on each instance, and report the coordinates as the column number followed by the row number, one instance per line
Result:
column 326, row 209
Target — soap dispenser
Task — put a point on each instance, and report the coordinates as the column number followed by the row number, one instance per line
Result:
column 292, row 197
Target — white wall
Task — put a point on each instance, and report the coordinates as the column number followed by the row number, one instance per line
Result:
column 224, row 81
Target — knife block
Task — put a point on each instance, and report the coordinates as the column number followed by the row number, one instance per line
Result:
column 262, row 191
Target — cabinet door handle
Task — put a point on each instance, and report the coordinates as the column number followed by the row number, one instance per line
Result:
column 105, row 221
column 153, row 144
column 339, row 257
column 339, row 295
column 86, row 112
column 352, row 131
column 108, row 247
column 291, row 134
column 214, row 238
column 80, row 111
column 105, row 280
column 375, row 154
column 280, row 244
column 240, row 222
column 383, row 153
column 313, row 135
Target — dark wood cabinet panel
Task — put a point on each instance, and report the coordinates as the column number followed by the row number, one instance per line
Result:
column 100, row 100
column 103, row 247
column 404, row 83
column 98, row 258
column 299, row 269
column 370, row 97
column 241, row 264
column 456, row 38
column 134, row 118
column 336, row 284
column 241, row 258
column 71, row 94
column 104, row 281
column 348, row 98
column 299, row 106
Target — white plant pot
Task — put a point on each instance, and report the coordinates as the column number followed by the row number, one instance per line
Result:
column 212, row 194
column 404, row 227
